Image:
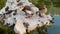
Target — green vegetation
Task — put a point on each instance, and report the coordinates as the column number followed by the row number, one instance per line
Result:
column 39, row 2
column 5, row 29
column 2, row 3
column 52, row 5
column 56, row 3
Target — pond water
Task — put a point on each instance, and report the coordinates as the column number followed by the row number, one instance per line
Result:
column 55, row 29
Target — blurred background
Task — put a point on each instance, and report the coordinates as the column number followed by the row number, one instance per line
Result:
column 53, row 9
column 52, row 5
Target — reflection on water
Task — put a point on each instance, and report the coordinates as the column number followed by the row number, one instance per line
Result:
column 55, row 29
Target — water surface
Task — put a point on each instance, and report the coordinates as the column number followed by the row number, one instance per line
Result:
column 55, row 29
